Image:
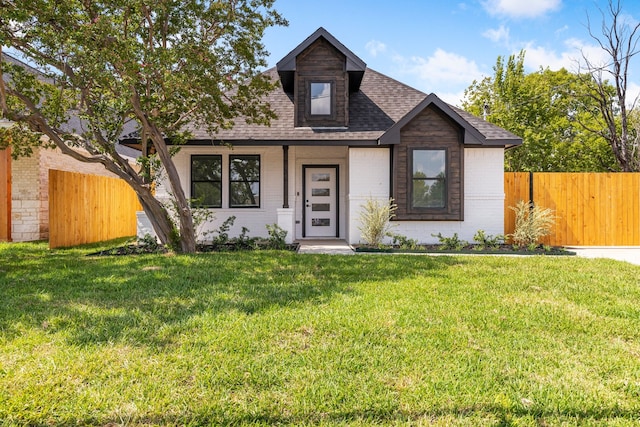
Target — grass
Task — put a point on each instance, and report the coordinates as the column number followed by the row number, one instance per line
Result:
column 268, row 337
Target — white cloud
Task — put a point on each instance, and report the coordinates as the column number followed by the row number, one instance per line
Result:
column 633, row 94
column 444, row 67
column 374, row 47
column 561, row 30
column 498, row 35
column 571, row 58
column 520, row 8
column 444, row 73
column 452, row 98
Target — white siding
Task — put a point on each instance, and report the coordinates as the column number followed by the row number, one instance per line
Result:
column 369, row 177
column 271, row 185
column 483, row 195
column 364, row 173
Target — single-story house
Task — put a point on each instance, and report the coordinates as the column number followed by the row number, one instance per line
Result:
column 345, row 133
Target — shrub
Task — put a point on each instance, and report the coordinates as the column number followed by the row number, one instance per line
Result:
column 243, row 241
column 374, row 220
column 404, row 242
column 487, row 240
column 452, row 243
column 149, row 243
column 532, row 223
column 276, row 236
column 223, row 231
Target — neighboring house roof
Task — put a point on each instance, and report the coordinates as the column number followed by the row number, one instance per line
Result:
column 15, row 61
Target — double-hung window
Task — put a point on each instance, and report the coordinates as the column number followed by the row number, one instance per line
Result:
column 206, row 181
column 429, row 179
column 244, row 181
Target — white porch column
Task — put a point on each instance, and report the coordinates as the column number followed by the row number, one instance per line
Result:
column 287, row 223
column 144, row 226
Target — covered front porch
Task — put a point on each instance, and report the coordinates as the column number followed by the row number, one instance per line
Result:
column 311, row 191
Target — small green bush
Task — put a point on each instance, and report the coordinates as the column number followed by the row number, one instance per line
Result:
column 277, row 237
column 484, row 240
column 223, row 231
column 532, row 223
column 404, row 242
column 453, row 243
column 374, row 221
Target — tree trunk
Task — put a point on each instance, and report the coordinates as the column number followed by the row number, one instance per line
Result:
column 158, row 216
column 187, row 229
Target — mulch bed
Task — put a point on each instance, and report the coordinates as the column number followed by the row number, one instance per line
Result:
column 471, row 249
column 137, row 249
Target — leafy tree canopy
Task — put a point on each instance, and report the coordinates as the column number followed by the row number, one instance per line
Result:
column 163, row 65
column 549, row 110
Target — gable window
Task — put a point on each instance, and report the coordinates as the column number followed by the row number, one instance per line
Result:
column 206, row 181
column 244, row 181
column 429, row 179
column 321, row 98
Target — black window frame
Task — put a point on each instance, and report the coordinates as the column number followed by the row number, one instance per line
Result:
column 412, row 180
column 232, row 181
column 194, row 202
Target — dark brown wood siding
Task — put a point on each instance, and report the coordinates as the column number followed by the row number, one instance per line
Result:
column 321, row 62
column 431, row 129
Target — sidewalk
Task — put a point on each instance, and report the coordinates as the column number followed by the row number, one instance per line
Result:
column 333, row 247
column 629, row 254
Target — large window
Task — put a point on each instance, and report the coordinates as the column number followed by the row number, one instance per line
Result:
column 428, row 179
column 206, row 181
column 321, row 98
column 244, row 181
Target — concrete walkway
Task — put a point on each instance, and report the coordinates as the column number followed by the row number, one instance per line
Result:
column 333, row 247
column 629, row 254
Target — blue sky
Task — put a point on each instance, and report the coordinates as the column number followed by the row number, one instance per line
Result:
column 442, row 46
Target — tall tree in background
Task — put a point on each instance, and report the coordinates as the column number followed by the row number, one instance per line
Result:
column 547, row 110
column 619, row 39
column 163, row 64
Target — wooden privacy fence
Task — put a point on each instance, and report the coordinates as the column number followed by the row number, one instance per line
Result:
column 89, row 208
column 592, row 209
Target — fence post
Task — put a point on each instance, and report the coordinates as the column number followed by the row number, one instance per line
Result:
column 531, row 203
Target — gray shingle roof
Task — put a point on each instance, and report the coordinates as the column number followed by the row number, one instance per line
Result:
column 375, row 108
column 380, row 102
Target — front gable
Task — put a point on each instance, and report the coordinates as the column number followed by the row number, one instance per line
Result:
column 321, row 66
column 428, row 164
column 319, row 75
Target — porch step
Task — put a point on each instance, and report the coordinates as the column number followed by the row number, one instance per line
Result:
column 333, row 247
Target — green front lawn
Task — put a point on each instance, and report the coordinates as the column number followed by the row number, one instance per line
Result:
column 273, row 337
